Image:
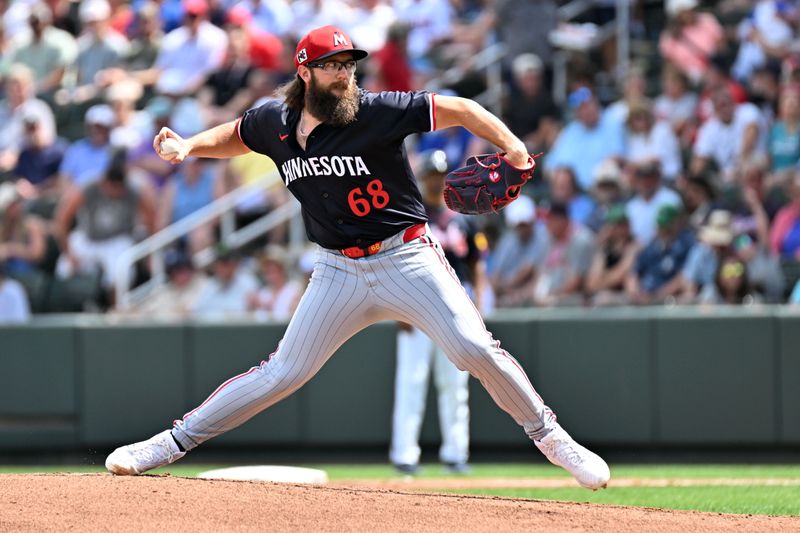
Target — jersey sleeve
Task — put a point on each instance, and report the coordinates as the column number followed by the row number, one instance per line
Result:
column 399, row 114
column 256, row 124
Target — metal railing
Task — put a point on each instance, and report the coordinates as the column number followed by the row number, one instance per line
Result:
column 224, row 209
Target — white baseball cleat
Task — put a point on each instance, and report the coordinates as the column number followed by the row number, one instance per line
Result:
column 588, row 468
column 135, row 459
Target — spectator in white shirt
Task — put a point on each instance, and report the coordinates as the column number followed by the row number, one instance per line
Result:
column 14, row 306
column 730, row 138
column 651, row 195
column 648, row 139
column 225, row 295
column 190, row 53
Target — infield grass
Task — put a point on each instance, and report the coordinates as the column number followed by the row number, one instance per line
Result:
column 755, row 498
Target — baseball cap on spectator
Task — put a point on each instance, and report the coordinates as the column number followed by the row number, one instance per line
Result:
column 647, row 169
column 558, row 209
column 675, row 7
column 616, row 213
column 175, row 260
column 578, row 97
column 94, row 10
column 718, row 231
column 324, row 42
column 195, row 7
column 239, row 15
column 607, row 172
column 526, row 63
column 100, row 115
column 666, row 215
column 520, row 211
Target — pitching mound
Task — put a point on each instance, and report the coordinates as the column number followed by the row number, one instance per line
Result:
column 101, row 502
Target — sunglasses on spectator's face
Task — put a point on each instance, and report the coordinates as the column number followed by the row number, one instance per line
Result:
column 331, row 67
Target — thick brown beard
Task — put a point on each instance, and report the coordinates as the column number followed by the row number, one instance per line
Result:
column 329, row 108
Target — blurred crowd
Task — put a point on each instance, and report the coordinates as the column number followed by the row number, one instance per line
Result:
column 673, row 181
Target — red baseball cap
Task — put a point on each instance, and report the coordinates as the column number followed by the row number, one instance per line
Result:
column 195, row 7
column 325, row 42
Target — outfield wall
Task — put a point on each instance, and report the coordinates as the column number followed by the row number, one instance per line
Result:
column 643, row 377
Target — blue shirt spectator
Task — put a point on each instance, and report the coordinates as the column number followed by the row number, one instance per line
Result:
column 588, row 140
column 86, row 160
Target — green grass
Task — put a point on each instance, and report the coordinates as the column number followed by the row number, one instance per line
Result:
column 755, row 499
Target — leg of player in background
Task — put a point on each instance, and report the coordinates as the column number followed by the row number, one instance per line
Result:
column 414, row 355
column 452, row 394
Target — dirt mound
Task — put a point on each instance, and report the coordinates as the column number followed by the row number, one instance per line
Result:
column 99, row 502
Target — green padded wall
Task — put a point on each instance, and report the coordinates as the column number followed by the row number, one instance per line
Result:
column 134, row 381
column 789, row 384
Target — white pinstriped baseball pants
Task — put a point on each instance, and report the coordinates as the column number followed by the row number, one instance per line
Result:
column 411, row 282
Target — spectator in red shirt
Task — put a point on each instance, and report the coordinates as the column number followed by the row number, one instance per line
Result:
column 393, row 70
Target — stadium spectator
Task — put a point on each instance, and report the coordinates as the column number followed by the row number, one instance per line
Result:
column 107, row 212
column 20, row 103
column 716, row 79
column 784, row 136
column 309, row 14
column 22, row 236
column 731, row 285
column 371, row 22
column 566, row 255
column 606, row 192
column 728, row 139
column 144, row 163
column 649, row 139
column 587, row 140
column 530, row 111
column 699, row 199
column 633, row 93
column 99, row 48
column 145, row 33
column 655, row 277
column 87, row 159
column 281, row 293
column 46, row 50
column 691, row 38
column 516, row 255
column 564, row 189
column 714, row 244
column 613, row 259
column 188, row 54
column 131, row 128
column 37, row 166
column 391, row 66
column 14, row 305
column 431, row 23
column 784, row 238
column 177, row 298
column 226, row 294
column 263, row 49
column 521, row 25
column 766, row 33
column 193, row 186
column 650, row 196
column 677, row 103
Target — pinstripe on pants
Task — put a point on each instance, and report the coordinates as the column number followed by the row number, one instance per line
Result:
column 411, row 282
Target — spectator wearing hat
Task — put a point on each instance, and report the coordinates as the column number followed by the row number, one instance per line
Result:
column 513, row 262
column 728, row 139
column 14, row 305
column 655, row 277
column 87, row 159
column 784, row 136
column 587, row 140
column 715, row 240
column 264, row 50
column 648, row 139
column 608, row 190
column 107, row 212
column 690, row 38
column 677, row 104
column 530, row 111
column 177, row 298
column 37, row 166
column 46, row 50
column 281, row 293
column 226, row 294
column 564, row 189
column 22, row 236
column 188, row 54
column 650, row 196
column 20, row 104
column 613, row 259
column 99, row 48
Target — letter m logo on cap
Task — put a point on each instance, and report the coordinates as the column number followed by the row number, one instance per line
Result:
column 339, row 39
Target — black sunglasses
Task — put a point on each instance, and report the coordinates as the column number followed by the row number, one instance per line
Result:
column 335, row 66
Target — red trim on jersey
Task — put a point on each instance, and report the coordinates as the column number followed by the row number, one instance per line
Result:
column 433, row 112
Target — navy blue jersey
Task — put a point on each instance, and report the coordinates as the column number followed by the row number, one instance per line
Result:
column 353, row 182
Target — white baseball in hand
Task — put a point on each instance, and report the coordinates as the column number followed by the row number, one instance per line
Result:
column 169, row 146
